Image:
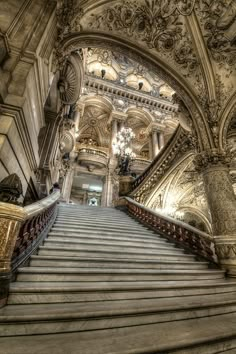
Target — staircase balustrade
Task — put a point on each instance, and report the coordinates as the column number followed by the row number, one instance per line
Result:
column 187, row 236
column 22, row 230
column 39, row 218
column 179, row 144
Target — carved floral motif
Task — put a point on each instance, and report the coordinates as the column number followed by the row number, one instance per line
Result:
column 158, row 25
column 219, row 19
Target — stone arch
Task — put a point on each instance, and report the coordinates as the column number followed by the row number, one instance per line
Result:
column 140, row 54
column 228, row 114
column 100, row 101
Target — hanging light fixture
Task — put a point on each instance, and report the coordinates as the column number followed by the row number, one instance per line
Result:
column 123, row 151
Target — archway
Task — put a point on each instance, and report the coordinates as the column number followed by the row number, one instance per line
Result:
column 105, row 41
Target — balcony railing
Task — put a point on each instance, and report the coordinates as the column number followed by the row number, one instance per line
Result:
column 140, row 164
column 92, row 156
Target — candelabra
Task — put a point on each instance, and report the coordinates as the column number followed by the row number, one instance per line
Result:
column 123, row 151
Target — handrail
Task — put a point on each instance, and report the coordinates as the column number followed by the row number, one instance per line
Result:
column 189, row 237
column 38, row 218
column 93, row 151
column 158, row 158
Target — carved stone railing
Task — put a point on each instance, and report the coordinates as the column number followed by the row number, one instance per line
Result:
column 179, row 144
column 92, row 156
column 192, row 239
column 22, row 230
column 96, row 84
column 140, row 164
column 38, row 220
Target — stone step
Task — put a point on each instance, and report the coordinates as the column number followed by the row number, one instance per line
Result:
column 98, row 227
column 99, row 244
column 107, row 231
column 74, row 245
column 155, row 239
column 94, row 274
column 100, row 223
column 102, row 219
column 84, row 316
column 131, row 236
column 210, row 335
column 94, row 215
column 82, row 217
column 68, row 251
column 51, row 261
column 53, row 292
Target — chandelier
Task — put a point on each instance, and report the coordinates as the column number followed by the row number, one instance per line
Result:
column 123, row 151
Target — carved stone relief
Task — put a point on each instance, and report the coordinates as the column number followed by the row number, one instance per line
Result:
column 219, row 20
column 159, row 25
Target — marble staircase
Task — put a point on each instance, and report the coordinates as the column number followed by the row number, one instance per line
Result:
column 103, row 283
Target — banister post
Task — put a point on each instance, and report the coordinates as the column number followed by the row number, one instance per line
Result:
column 11, row 218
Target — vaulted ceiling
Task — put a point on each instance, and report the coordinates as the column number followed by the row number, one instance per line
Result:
column 190, row 44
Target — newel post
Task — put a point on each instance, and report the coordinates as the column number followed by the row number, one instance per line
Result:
column 11, row 218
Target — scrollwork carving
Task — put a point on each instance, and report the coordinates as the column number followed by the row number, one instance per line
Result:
column 219, row 18
column 184, row 7
column 158, row 25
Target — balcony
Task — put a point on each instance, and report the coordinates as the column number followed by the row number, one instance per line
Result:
column 92, row 157
column 139, row 165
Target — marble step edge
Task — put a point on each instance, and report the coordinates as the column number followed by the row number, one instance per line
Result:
column 60, row 246
column 69, row 240
column 99, row 227
column 131, row 236
column 207, row 338
column 101, row 230
column 106, row 237
column 82, row 216
column 71, row 322
column 112, row 260
column 115, row 307
column 99, row 252
column 65, row 286
column 90, row 271
column 97, row 218
column 104, row 220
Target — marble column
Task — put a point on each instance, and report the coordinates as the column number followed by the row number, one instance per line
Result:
column 222, row 204
column 150, row 148
column 114, row 130
column 67, row 185
column 104, row 192
column 155, row 147
column 121, row 125
column 107, row 192
column 76, row 118
column 161, row 140
column 78, row 113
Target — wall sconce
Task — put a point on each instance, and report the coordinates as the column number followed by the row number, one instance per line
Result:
column 140, row 85
column 103, row 72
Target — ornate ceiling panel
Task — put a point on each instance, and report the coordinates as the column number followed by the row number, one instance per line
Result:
column 160, row 25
